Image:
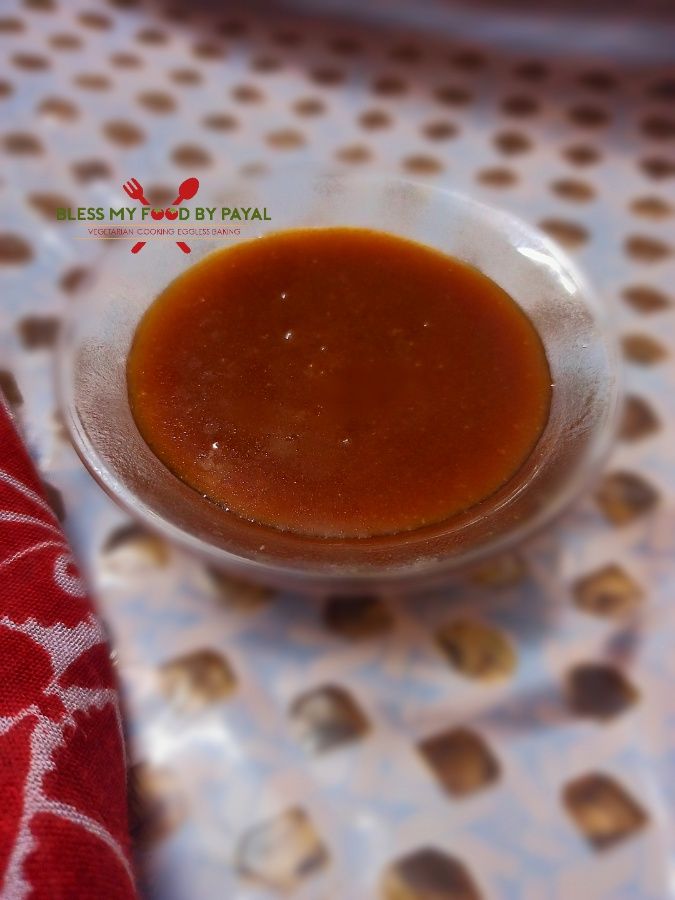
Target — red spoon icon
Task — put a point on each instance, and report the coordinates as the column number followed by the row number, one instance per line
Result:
column 186, row 191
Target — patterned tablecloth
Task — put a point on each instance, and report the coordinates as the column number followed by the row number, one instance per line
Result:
column 512, row 736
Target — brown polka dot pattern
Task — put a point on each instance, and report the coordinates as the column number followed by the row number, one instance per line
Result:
column 247, row 93
column 220, row 122
column 253, row 169
column 40, row 5
column 93, row 81
column 582, row 155
column 122, row 133
column 647, row 249
column 88, row 170
column 65, row 42
column 643, row 349
column 599, row 691
column 286, row 37
column 477, row 650
column 38, row 332
column 598, row 80
column 374, row 119
column 190, row 155
column 30, row 62
column 242, row 596
column 10, row 389
column 497, row 177
column 520, row 106
column 512, row 143
column 421, row 164
column 638, row 420
column 309, row 106
column 440, row 130
column 46, row 203
column 176, row 14
column 609, row 591
column 327, row 76
column 460, row 760
column 186, row 77
column 428, row 873
column 624, row 497
column 353, row 154
column 389, row 86
column 208, row 51
column 197, row 680
column 452, row 95
column 126, row 60
column 265, row 65
column 95, row 20
column 325, row 718
column 22, row 143
column 468, row 60
column 659, row 128
column 10, row 25
column 408, row 54
column 663, row 89
column 344, row 45
column 157, row 808
column 531, row 70
column 285, row 139
column 72, row 279
column 231, row 28
column 658, row 167
column 157, row 101
column 500, row 571
column 574, row 190
column 570, row 234
column 586, row 116
column 151, row 36
column 651, row 207
column 281, row 852
column 357, row 617
column 130, row 546
column 646, row 299
column 14, row 249
column 603, row 811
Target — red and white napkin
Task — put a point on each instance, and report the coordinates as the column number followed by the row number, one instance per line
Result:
column 63, row 810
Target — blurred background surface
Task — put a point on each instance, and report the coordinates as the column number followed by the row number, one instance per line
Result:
column 512, row 736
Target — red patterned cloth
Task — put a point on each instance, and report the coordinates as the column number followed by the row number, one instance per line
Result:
column 63, row 815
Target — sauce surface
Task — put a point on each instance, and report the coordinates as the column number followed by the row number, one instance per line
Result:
column 338, row 382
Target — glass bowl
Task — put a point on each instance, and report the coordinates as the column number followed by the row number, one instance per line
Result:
column 571, row 321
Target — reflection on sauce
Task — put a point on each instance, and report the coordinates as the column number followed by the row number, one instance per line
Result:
column 338, row 382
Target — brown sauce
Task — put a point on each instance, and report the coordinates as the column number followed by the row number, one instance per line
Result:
column 338, row 382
